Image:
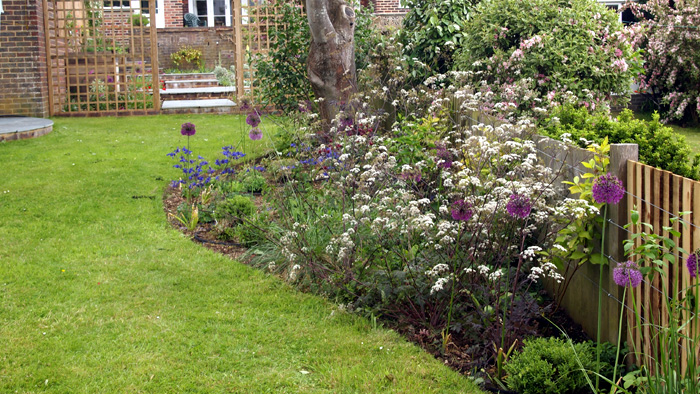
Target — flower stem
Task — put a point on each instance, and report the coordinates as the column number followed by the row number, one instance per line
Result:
column 619, row 335
column 600, row 299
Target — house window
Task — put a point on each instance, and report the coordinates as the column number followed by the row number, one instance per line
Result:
column 127, row 4
column 212, row 12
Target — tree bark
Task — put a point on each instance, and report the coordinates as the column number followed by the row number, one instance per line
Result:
column 331, row 63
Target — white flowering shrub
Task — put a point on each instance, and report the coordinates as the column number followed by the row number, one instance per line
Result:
column 433, row 224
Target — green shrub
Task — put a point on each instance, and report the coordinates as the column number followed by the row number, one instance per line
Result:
column 659, row 145
column 561, row 50
column 253, row 182
column 236, row 207
column 139, row 20
column 285, row 63
column 432, row 30
column 187, row 58
column 550, row 366
column 226, row 77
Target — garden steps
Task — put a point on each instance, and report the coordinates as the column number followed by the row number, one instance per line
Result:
column 191, row 83
column 195, row 93
column 198, row 106
column 214, row 92
column 189, row 76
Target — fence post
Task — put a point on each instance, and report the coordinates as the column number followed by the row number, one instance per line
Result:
column 240, row 51
column 619, row 154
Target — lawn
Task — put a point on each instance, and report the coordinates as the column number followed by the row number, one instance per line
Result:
column 100, row 295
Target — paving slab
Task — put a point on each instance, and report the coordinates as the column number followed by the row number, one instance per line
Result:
column 18, row 127
column 179, row 104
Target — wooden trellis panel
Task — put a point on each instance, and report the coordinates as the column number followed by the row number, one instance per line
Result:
column 252, row 21
column 657, row 195
column 102, row 57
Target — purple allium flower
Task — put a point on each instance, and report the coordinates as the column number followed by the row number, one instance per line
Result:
column 187, row 129
column 245, row 104
column 608, row 189
column 518, row 206
column 253, row 119
column 462, row 210
column 255, row 134
column 627, row 274
column 692, row 263
column 445, row 155
column 346, row 121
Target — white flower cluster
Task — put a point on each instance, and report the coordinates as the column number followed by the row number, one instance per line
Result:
column 545, row 270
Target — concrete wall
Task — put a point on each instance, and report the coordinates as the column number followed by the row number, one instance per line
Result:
column 23, row 72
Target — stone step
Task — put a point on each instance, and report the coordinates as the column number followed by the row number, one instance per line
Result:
column 188, row 76
column 217, row 92
column 222, row 106
column 191, row 83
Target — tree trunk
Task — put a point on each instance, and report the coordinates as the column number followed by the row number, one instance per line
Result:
column 331, row 64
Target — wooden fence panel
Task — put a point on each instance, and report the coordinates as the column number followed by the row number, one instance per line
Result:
column 659, row 196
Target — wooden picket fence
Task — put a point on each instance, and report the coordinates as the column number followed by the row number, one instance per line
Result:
column 658, row 196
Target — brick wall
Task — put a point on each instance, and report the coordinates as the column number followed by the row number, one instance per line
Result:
column 388, row 7
column 175, row 11
column 215, row 43
column 23, row 74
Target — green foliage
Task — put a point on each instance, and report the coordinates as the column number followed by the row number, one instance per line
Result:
column 556, row 48
column 285, row 63
column 254, row 182
column 550, row 366
column 236, row 207
column 187, row 216
column 433, row 29
column 673, row 371
column 659, row 145
column 139, row 20
column 187, row 58
column 226, row 77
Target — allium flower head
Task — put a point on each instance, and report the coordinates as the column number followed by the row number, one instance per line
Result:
column 253, row 119
column 518, row 206
column 245, row 105
column 627, row 274
column 462, row 210
column 608, row 189
column 255, row 134
column 445, row 155
column 692, row 263
column 187, row 129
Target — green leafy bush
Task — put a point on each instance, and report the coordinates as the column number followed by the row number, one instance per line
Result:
column 557, row 49
column 432, row 30
column 285, row 63
column 236, row 207
column 550, row 366
column 187, row 58
column 139, row 20
column 226, row 77
column 659, row 145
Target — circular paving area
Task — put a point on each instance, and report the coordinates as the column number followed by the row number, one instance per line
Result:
column 19, row 128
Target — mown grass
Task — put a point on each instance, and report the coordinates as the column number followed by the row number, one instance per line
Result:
column 98, row 294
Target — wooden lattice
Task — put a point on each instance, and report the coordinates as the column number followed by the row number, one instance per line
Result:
column 102, row 57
